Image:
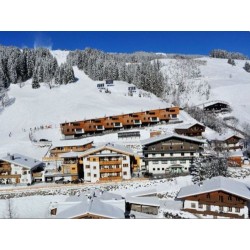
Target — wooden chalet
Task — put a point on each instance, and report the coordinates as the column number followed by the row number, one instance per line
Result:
column 216, row 107
column 92, row 126
column 170, row 153
column 219, row 197
column 191, row 129
column 17, row 168
column 229, row 142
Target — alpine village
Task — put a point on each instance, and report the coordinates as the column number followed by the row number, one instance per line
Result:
column 109, row 146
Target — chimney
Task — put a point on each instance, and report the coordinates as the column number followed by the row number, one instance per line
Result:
column 12, row 157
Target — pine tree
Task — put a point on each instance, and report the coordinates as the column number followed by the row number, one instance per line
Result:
column 247, row 67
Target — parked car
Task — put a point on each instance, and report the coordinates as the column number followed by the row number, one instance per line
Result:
column 62, row 181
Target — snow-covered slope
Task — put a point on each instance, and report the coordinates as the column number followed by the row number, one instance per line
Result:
column 228, row 83
column 50, row 107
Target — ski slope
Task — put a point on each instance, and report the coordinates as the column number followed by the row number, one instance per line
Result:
column 50, row 107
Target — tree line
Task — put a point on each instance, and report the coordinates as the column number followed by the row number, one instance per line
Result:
column 135, row 68
column 19, row 65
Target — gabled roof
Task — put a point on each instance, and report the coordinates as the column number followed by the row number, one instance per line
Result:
column 226, row 136
column 210, row 103
column 148, row 201
column 71, row 143
column 93, row 206
column 21, row 160
column 109, row 146
column 168, row 136
column 216, row 184
column 189, row 125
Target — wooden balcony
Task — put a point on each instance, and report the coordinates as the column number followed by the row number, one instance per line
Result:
column 110, row 170
column 51, row 158
column 110, row 162
column 111, row 178
column 3, row 176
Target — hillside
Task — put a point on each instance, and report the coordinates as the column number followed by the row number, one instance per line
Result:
column 80, row 100
column 76, row 101
column 228, row 83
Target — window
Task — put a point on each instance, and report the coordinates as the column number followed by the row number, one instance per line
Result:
column 124, row 157
column 88, row 159
column 237, row 209
column 153, row 169
column 208, row 196
column 237, row 199
column 24, row 172
column 95, row 175
column 87, row 166
column 164, row 162
column 182, row 154
column 200, row 205
column 88, row 174
column 191, row 153
column 221, row 209
column 94, row 159
column 155, row 162
column 124, row 173
column 158, row 169
column 73, row 168
column 229, row 197
column 162, row 169
column 170, row 147
column 221, row 198
column 125, row 165
column 90, row 126
column 208, row 207
column 153, row 148
column 182, row 161
column 182, row 147
column 193, row 205
column 162, row 154
column 94, row 167
column 229, row 209
column 171, row 154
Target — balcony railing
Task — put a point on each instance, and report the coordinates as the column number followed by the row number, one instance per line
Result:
column 154, row 119
column 3, row 176
column 110, row 170
column 137, row 122
column 37, row 175
column 52, row 158
column 79, row 131
column 117, row 124
column 111, row 178
column 110, row 162
column 100, row 127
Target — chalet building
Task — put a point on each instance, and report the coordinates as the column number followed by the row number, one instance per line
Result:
column 107, row 163
column 219, row 197
column 216, row 107
column 70, row 168
column 104, row 205
column 230, row 142
column 191, row 129
column 170, row 153
column 16, row 168
column 79, row 129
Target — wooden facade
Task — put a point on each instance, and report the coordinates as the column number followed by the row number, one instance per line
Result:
column 229, row 144
column 171, row 154
column 80, row 128
column 194, row 130
column 217, row 203
column 55, row 151
column 217, row 107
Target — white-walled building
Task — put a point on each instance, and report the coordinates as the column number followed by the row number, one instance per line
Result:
column 108, row 162
column 170, row 153
column 218, row 197
column 17, row 168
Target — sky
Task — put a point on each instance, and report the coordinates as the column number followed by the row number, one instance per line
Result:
column 194, row 42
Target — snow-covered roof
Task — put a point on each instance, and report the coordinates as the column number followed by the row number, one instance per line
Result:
column 207, row 104
column 143, row 192
column 21, row 160
column 148, row 201
column 93, row 206
column 225, row 136
column 188, row 125
column 71, row 143
column 168, row 136
column 218, row 183
column 71, row 154
column 235, row 153
column 110, row 146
